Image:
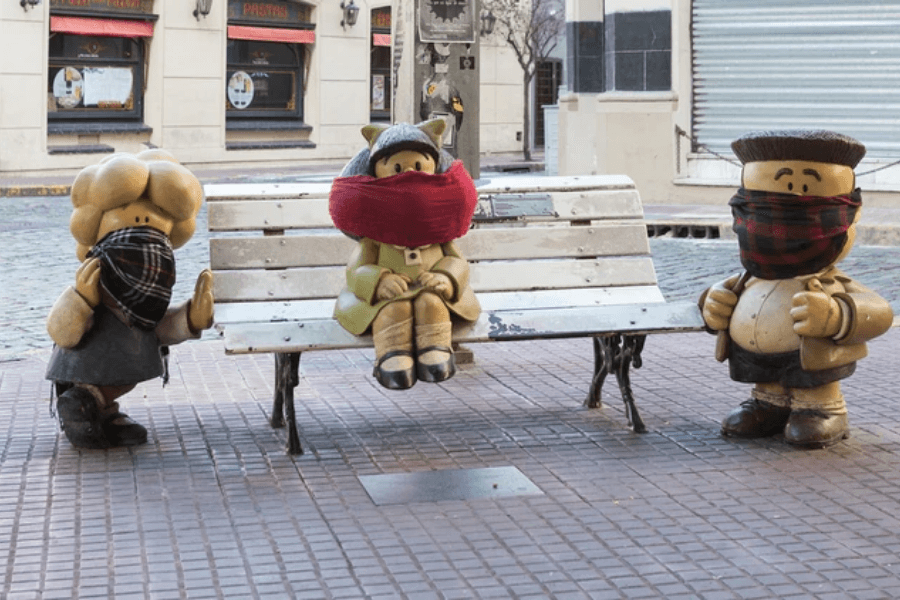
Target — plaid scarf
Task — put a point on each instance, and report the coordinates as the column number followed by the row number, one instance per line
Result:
column 137, row 269
column 783, row 236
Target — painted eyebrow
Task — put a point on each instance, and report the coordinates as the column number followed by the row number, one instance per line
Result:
column 784, row 171
column 811, row 172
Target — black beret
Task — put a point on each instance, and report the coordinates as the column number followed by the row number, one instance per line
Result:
column 799, row 144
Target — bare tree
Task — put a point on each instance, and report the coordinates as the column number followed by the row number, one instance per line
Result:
column 532, row 28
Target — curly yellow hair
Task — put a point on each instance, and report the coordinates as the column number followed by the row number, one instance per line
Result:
column 121, row 179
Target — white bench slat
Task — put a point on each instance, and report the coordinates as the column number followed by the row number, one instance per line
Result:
column 248, row 312
column 613, row 238
column 312, row 213
column 236, row 191
column 490, row 326
column 325, row 282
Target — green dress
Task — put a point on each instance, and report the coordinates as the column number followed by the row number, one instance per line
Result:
column 356, row 306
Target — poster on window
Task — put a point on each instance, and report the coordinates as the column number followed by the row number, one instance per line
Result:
column 68, row 88
column 377, row 92
column 108, row 87
column 447, row 21
column 240, row 90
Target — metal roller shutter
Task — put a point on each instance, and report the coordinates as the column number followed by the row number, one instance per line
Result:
column 772, row 64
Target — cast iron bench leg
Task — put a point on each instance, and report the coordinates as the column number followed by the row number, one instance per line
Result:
column 615, row 354
column 287, row 367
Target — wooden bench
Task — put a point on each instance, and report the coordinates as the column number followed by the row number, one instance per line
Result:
column 551, row 257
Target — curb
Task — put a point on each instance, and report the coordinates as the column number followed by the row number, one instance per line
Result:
column 16, row 191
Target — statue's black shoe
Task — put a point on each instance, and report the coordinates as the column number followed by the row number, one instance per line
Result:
column 755, row 419
column 809, row 428
column 122, row 430
column 395, row 380
column 79, row 417
column 436, row 372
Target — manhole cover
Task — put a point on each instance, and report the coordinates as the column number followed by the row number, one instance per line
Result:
column 436, row 486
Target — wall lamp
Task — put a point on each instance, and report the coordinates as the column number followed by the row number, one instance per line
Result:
column 203, row 8
column 351, row 12
column 487, row 22
column 26, row 3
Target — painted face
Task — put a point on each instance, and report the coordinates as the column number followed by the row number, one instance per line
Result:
column 141, row 213
column 404, row 161
column 798, row 177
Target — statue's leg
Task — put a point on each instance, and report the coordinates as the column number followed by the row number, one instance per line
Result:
column 392, row 335
column 434, row 350
column 818, row 417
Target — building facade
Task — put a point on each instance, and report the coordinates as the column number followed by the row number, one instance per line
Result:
column 658, row 89
column 252, row 81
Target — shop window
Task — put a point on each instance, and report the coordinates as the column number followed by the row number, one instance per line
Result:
column 94, row 77
column 264, row 79
column 380, row 66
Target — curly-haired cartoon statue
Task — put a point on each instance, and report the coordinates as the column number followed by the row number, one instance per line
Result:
column 109, row 328
column 405, row 201
column 793, row 324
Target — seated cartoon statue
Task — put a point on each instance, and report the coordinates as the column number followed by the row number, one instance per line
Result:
column 405, row 201
column 794, row 325
column 111, row 326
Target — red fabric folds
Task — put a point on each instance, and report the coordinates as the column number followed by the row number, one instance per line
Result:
column 410, row 209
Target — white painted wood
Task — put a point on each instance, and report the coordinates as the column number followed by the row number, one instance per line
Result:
column 520, row 184
column 291, row 310
column 253, row 214
column 613, row 238
column 490, row 326
column 494, row 276
column 237, row 191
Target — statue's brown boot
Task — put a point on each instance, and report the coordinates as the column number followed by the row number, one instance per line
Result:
column 434, row 352
column 819, row 417
column 395, row 368
column 763, row 415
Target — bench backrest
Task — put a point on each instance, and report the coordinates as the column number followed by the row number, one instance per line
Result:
column 537, row 242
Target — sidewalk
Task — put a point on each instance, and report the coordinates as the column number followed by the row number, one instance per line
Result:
column 575, row 504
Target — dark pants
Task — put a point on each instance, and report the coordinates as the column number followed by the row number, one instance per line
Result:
column 783, row 368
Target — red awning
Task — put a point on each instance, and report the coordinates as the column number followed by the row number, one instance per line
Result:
column 381, row 39
column 271, row 34
column 105, row 27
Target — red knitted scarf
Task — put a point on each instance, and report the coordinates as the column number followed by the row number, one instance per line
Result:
column 410, row 209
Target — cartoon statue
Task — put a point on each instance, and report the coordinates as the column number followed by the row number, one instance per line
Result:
column 111, row 328
column 405, row 201
column 793, row 324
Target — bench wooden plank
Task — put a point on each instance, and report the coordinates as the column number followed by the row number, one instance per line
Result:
column 500, row 325
column 292, row 310
column 614, row 238
column 237, row 191
column 312, row 213
column 327, row 282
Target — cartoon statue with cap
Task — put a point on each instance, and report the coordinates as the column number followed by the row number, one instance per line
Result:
column 793, row 324
column 110, row 329
column 405, row 201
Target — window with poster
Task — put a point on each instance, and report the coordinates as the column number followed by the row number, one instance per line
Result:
column 264, row 79
column 95, row 77
column 268, row 48
column 380, row 65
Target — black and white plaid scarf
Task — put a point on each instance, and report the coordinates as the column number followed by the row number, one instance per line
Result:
column 138, row 271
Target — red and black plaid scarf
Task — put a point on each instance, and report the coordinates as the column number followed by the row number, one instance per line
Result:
column 783, row 236
column 138, row 271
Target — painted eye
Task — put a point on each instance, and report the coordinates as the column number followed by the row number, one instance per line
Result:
column 805, row 188
column 790, row 186
column 418, row 166
column 146, row 219
column 397, row 168
column 137, row 219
